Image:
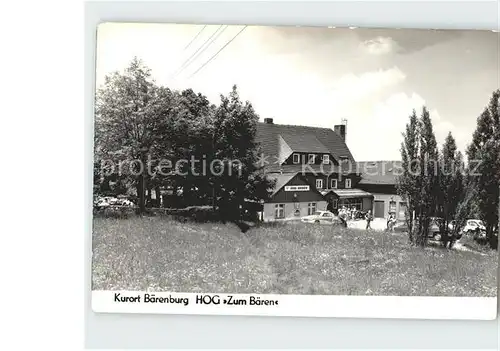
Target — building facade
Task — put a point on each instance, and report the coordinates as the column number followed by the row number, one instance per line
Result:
column 293, row 198
column 312, row 167
column 379, row 178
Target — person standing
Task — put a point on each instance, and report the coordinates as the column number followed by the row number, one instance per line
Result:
column 390, row 222
column 342, row 216
column 368, row 218
column 393, row 222
column 329, row 207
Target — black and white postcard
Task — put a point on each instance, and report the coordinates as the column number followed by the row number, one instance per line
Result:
column 296, row 171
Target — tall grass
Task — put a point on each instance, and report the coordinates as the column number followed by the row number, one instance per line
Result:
column 164, row 255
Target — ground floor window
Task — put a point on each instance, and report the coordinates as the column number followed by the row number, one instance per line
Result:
column 311, row 208
column 392, row 207
column 357, row 203
column 335, row 203
column 279, row 211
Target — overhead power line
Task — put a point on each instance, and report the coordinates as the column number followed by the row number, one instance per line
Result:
column 195, row 37
column 222, row 48
column 200, row 50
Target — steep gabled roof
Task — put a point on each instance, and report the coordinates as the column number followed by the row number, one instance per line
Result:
column 281, row 180
column 273, row 137
column 284, row 150
column 379, row 172
column 304, row 143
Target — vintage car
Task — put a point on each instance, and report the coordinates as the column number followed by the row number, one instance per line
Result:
column 322, row 217
column 435, row 226
column 437, row 229
column 475, row 228
column 472, row 227
column 109, row 201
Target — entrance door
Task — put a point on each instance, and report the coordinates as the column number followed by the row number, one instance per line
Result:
column 378, row 209
column 402, row 210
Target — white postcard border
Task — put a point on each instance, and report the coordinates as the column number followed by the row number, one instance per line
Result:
column 379, row 307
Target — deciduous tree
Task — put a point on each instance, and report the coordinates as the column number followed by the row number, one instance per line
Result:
column 236, row 152
column 130, row 110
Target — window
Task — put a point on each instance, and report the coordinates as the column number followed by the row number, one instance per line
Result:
column 296, row 158
column 311, row 158
column 333, row 183
column 326, row 159
column 335, row 203
column 357, row 203
column 311, row 208
column 392, row 206
column 319, row 183
column 327, row 214
column 279, row 211
column 348, row 183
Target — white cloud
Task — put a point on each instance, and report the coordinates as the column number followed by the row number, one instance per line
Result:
column 311, row 99
column 378, row 46
column 381, row 126
column 443, row 127
column 279, row 85
column 352, row 87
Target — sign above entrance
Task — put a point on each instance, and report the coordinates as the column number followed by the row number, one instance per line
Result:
column 297, row 188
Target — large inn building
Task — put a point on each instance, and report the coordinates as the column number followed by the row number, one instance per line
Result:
column 313, row 166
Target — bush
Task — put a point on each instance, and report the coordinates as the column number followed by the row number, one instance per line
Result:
column 192, row 213
column 200, row 214
column 114, row 212
column 476, row 244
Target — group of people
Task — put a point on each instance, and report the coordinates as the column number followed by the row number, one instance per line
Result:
column 346, row 214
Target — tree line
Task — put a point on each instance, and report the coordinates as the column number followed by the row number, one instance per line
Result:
column 440, row 181
column 149, row 138
column 143, row 131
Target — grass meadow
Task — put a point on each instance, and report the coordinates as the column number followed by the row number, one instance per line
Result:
column 155, row 253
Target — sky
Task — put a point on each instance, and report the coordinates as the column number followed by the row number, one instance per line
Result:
column 318, row 76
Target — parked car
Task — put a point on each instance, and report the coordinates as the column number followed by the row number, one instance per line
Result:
column 435, row 228
column 475, row 228
column 107, row 201
column 322, row 217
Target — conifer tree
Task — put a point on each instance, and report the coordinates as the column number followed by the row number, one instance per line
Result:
column 429, row 170
column 408, row 182
column 484, row 166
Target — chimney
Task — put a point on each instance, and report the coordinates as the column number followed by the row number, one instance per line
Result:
column 340, row 129
column 268, row 120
